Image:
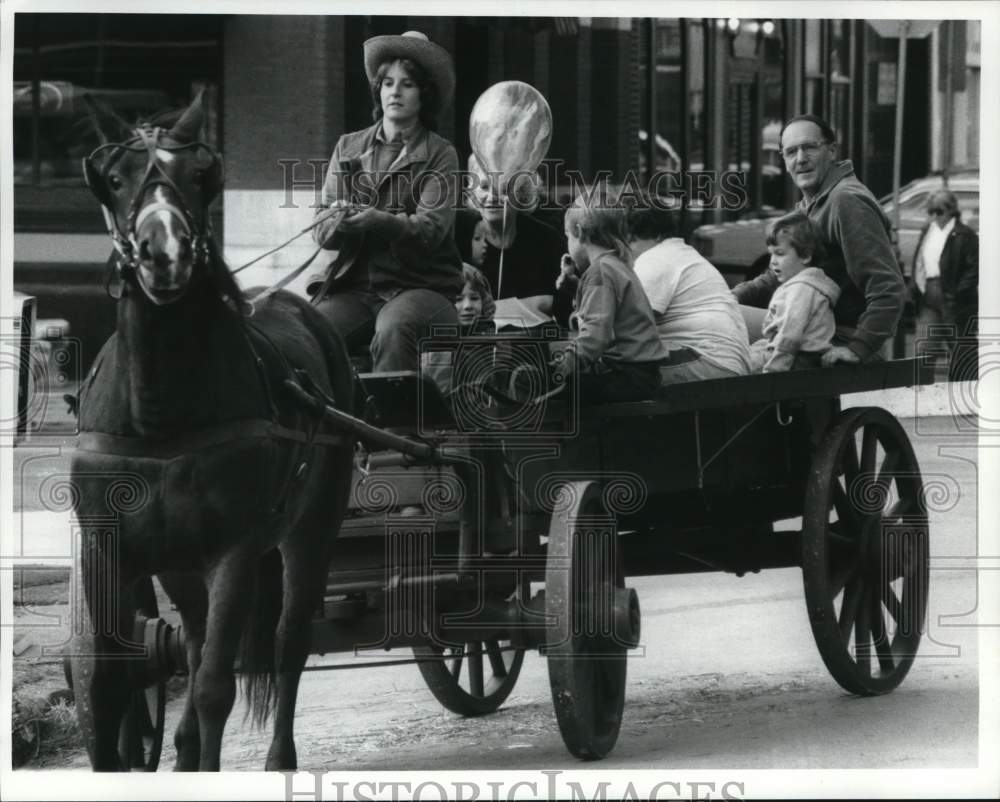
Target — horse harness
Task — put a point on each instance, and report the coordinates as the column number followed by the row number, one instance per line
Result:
column 147, row 138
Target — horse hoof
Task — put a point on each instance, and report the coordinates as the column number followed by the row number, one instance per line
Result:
column 281, row 760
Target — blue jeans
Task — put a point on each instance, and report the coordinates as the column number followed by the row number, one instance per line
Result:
column 392, row 324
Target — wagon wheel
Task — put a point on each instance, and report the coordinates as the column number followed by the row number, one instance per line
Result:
column 140, row 739
column 463, row 682
column 864, row 551
column 587, row 662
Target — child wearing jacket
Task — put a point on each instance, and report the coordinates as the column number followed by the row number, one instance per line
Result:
column 616, row 352
column 799, row 324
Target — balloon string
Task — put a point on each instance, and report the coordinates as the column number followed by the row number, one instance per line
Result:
column 503, row 240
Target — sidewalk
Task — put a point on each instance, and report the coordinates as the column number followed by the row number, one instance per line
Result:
column 943, row 399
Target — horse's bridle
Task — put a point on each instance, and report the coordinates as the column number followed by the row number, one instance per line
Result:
column 147, row 138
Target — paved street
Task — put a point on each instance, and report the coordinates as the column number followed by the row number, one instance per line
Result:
column 730, row 676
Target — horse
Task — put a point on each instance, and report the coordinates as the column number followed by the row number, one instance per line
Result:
column 194, row 465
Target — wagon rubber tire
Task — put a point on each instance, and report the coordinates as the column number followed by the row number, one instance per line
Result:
column 140, row 739
column 587, row 663
column 865, row 551
column 462, row 683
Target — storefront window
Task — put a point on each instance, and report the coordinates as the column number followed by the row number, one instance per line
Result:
column 669, row 96
column 773, row 115
column 814, row 67
column 840, row 83
column 134, row 65
column 695, row 107
column 662, row 122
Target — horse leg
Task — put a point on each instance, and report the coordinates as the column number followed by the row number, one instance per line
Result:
column 101, row 682
column 304, row 579
column 187, row 591
column 231, row 586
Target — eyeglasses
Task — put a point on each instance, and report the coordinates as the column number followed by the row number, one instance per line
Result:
column 935, row 211
column 808, row 148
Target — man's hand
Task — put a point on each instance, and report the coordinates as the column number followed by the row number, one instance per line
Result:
column 839, row 353
column 562, row 364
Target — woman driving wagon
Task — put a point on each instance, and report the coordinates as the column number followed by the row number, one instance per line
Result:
column 398, row 269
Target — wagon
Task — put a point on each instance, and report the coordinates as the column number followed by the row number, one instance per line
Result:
column 491, row 530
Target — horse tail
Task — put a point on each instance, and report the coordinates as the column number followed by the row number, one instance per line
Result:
column 256, row 656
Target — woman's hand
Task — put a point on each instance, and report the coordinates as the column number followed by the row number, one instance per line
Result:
column 327, row 222
column 567, row 274
column 363, row 220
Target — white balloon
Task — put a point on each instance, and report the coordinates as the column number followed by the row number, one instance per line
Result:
column 510, row 129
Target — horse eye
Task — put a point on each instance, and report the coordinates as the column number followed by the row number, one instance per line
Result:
column 198, row 176
column 114, row 182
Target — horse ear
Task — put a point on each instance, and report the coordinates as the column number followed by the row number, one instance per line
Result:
column 96, row 183
column 188, row 127
column 211, row 184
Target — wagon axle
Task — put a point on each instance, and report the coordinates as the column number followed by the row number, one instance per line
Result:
column 522, row 625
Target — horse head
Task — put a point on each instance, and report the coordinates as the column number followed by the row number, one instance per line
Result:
column 155, row 190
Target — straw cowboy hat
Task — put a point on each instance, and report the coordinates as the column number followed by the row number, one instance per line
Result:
column 416, row 47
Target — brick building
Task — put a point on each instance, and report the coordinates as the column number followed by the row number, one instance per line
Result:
column 627, row 94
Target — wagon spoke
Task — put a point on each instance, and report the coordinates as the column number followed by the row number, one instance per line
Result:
column 456, row 664
column 849, row 609
column 880, row 635
column 474, row 657
column 898, row 510
column 497, row 664
column 862, row 637
column 850, row 465
column 844, row 575
column 869, row 443
column 892, row 603
column 887, row 474
column 842, row 504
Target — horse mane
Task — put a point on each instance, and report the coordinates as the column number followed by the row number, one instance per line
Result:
column 222, row 277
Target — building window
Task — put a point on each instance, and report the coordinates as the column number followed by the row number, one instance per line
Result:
column 695, row 107
column 814, row 61
column 772, row 83
column 841, row 52
column 661, row 133
column 134, row 64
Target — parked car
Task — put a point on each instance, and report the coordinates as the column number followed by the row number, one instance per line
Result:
column 738, row 249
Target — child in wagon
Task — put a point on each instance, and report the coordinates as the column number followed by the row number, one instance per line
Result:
column 475, row 307
column 475, row 304
column 799, row 324
column 616, row 351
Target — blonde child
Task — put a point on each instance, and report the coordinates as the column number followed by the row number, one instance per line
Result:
column 799, row 324
column 616, row 351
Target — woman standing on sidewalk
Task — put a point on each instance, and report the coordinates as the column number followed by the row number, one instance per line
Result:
column 398, row 270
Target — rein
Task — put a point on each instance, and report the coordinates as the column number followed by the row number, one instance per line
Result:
column 201, row 439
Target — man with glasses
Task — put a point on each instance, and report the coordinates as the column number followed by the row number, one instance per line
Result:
column 946, row 283
column 856, row 235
